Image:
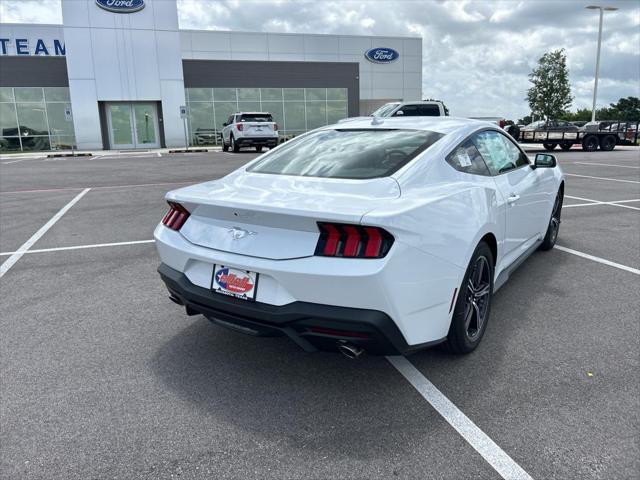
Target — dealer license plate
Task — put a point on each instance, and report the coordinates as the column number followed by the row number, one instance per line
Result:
column 234, row 282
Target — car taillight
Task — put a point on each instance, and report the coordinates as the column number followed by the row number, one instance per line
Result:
column 176, row 216
column 502, row 123
column 239, row 127
column 352, row 241
column 275, row 127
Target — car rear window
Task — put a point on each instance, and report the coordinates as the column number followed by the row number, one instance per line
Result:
column 256, row 117
column 347, row 153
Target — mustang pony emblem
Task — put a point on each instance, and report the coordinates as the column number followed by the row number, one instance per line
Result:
column 238, row 233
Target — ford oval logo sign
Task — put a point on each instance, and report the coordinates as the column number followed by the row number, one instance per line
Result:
column 381, row 55
column 121, row 6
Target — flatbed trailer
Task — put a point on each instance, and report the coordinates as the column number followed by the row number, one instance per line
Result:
column 604, row 136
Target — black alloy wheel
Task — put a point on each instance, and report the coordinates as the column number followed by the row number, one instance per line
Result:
column 554, row 224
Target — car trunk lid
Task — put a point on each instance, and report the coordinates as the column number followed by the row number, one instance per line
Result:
column 275, row 216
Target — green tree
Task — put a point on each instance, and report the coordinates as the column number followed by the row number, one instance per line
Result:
column 627, row 109
column 582, row 114
column 550, row 95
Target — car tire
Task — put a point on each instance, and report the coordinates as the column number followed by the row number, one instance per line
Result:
column 258, row 149
column 549, row 146
column 590, row 143
column 233, row 145
column 608, row 143
column 225, row 147
column 566, row 146
column 473, row 305
column 553, row 228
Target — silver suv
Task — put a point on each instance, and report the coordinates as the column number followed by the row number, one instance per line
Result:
column 249, row 129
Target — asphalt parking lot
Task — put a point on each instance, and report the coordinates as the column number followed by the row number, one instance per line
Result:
column 103, row 377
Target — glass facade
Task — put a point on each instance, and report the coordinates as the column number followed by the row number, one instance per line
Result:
column 295, row 110
column 32, row 118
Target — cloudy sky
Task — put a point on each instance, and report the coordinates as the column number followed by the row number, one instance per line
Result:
column 477, row 54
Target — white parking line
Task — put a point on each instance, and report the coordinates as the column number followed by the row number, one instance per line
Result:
column 605, row 164
column 602, row 178
column 81, row 247
column 63, row 189
column 599, row 260
column 10, row 262
column 21, row 160
column 502, row 463
column 615, row 203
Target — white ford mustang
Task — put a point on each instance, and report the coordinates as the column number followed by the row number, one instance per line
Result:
column 371, row 235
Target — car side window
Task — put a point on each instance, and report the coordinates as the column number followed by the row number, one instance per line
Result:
column 499, row 153
column 466, row 158
column 515, row 154
column 429, row 110
column 230, row 120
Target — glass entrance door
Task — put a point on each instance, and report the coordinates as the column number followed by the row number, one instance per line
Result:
column 133, row 125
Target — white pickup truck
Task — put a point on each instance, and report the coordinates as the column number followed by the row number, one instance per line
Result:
column 422, row 108
column 429, row 108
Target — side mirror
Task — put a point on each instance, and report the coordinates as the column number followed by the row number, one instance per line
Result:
column 545, row 160
column 225, row 124
column 399, row 113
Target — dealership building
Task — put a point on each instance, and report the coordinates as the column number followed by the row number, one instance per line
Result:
column 117, row 74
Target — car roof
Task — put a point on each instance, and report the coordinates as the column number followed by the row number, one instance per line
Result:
column 443, row 125
column 252, row 113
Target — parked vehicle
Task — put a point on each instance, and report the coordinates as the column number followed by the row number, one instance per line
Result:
column 554, row 127
column 387, row 236
column 30, row 139
column 626, row 131
column 206, row 136
column 593, row 135
column 427, row 108
column 249, row 129
column 420, row 108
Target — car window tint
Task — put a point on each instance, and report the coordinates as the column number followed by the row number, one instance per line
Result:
column 256, row 117
column 499, row 153
column 347, row 153
column 429, row 110
column 467, row 159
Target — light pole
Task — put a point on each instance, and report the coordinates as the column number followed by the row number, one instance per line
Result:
column 595, row 87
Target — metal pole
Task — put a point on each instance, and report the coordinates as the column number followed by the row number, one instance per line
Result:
column 186, row 142
column 595, row 87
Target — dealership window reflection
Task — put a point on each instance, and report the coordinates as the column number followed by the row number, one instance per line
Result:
column 295, row 110
column 33, row 118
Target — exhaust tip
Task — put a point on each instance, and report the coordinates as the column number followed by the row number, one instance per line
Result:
column 350, row 350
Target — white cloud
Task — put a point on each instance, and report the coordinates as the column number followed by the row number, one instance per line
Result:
column 476, row 54
column 367, row 22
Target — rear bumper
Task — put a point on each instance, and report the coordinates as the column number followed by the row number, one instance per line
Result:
column 312, row 326
column 257, row 141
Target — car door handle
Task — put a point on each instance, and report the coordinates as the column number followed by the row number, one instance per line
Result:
column 513, row 198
